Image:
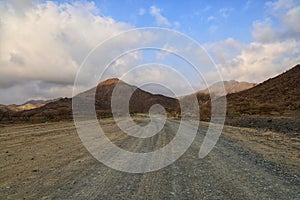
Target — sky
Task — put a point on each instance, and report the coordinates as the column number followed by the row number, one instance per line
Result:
column 44, row 43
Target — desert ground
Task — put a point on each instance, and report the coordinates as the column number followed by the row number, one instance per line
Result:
column 49, row 161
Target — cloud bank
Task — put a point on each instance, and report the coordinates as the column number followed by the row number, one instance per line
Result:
column 43, row 45
column 276, row 46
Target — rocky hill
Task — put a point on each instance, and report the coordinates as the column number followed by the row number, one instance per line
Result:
column 61, row 109
column 278, row 95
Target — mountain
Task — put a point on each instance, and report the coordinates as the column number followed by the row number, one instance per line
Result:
column 215, row 91
column 61, row 109
column 35, row 101
column 26, row 106
column 31, row 104
column 229, row 86
column 278, row 95
column 140, row 101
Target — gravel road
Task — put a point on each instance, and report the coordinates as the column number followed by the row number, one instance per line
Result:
column 48, row 161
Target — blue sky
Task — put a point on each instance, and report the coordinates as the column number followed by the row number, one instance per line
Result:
column 43, row 43
column 204, row 21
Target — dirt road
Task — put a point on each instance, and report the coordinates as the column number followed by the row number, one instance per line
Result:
column 48, row 161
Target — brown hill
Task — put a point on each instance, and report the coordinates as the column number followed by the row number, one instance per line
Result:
column 61, row 109
column 29, row 105
column 4, row 112
column 26, row 106
column 229, row 86
column 278, row 95
column 215, row 91
column 140, row 101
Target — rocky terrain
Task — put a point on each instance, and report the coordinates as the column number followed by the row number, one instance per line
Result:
column 261, row 160
column 48, row 161
column 288, row 125
column 277, row 96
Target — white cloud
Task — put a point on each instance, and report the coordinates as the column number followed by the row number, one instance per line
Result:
column 280, row 4
column 285, row 26
column 254, row 62
column 168, row 50
column 224, row 49
column 45, row 45
column 263, row 31
column 160, row 78
column 259, row 61
column 276, row 47
column 160, row 19
column 291, row 21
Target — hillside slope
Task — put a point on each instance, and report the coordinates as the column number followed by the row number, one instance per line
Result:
column 278, row 95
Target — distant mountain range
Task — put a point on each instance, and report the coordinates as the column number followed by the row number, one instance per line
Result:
column 277, row 96
column 229, row 86
column 28, row 105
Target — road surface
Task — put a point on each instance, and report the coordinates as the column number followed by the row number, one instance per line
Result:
column 48, row 161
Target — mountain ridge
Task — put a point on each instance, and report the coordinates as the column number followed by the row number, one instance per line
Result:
column 61, row 109
column 279, row 95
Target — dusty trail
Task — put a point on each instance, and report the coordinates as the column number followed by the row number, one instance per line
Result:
column 48, row 161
